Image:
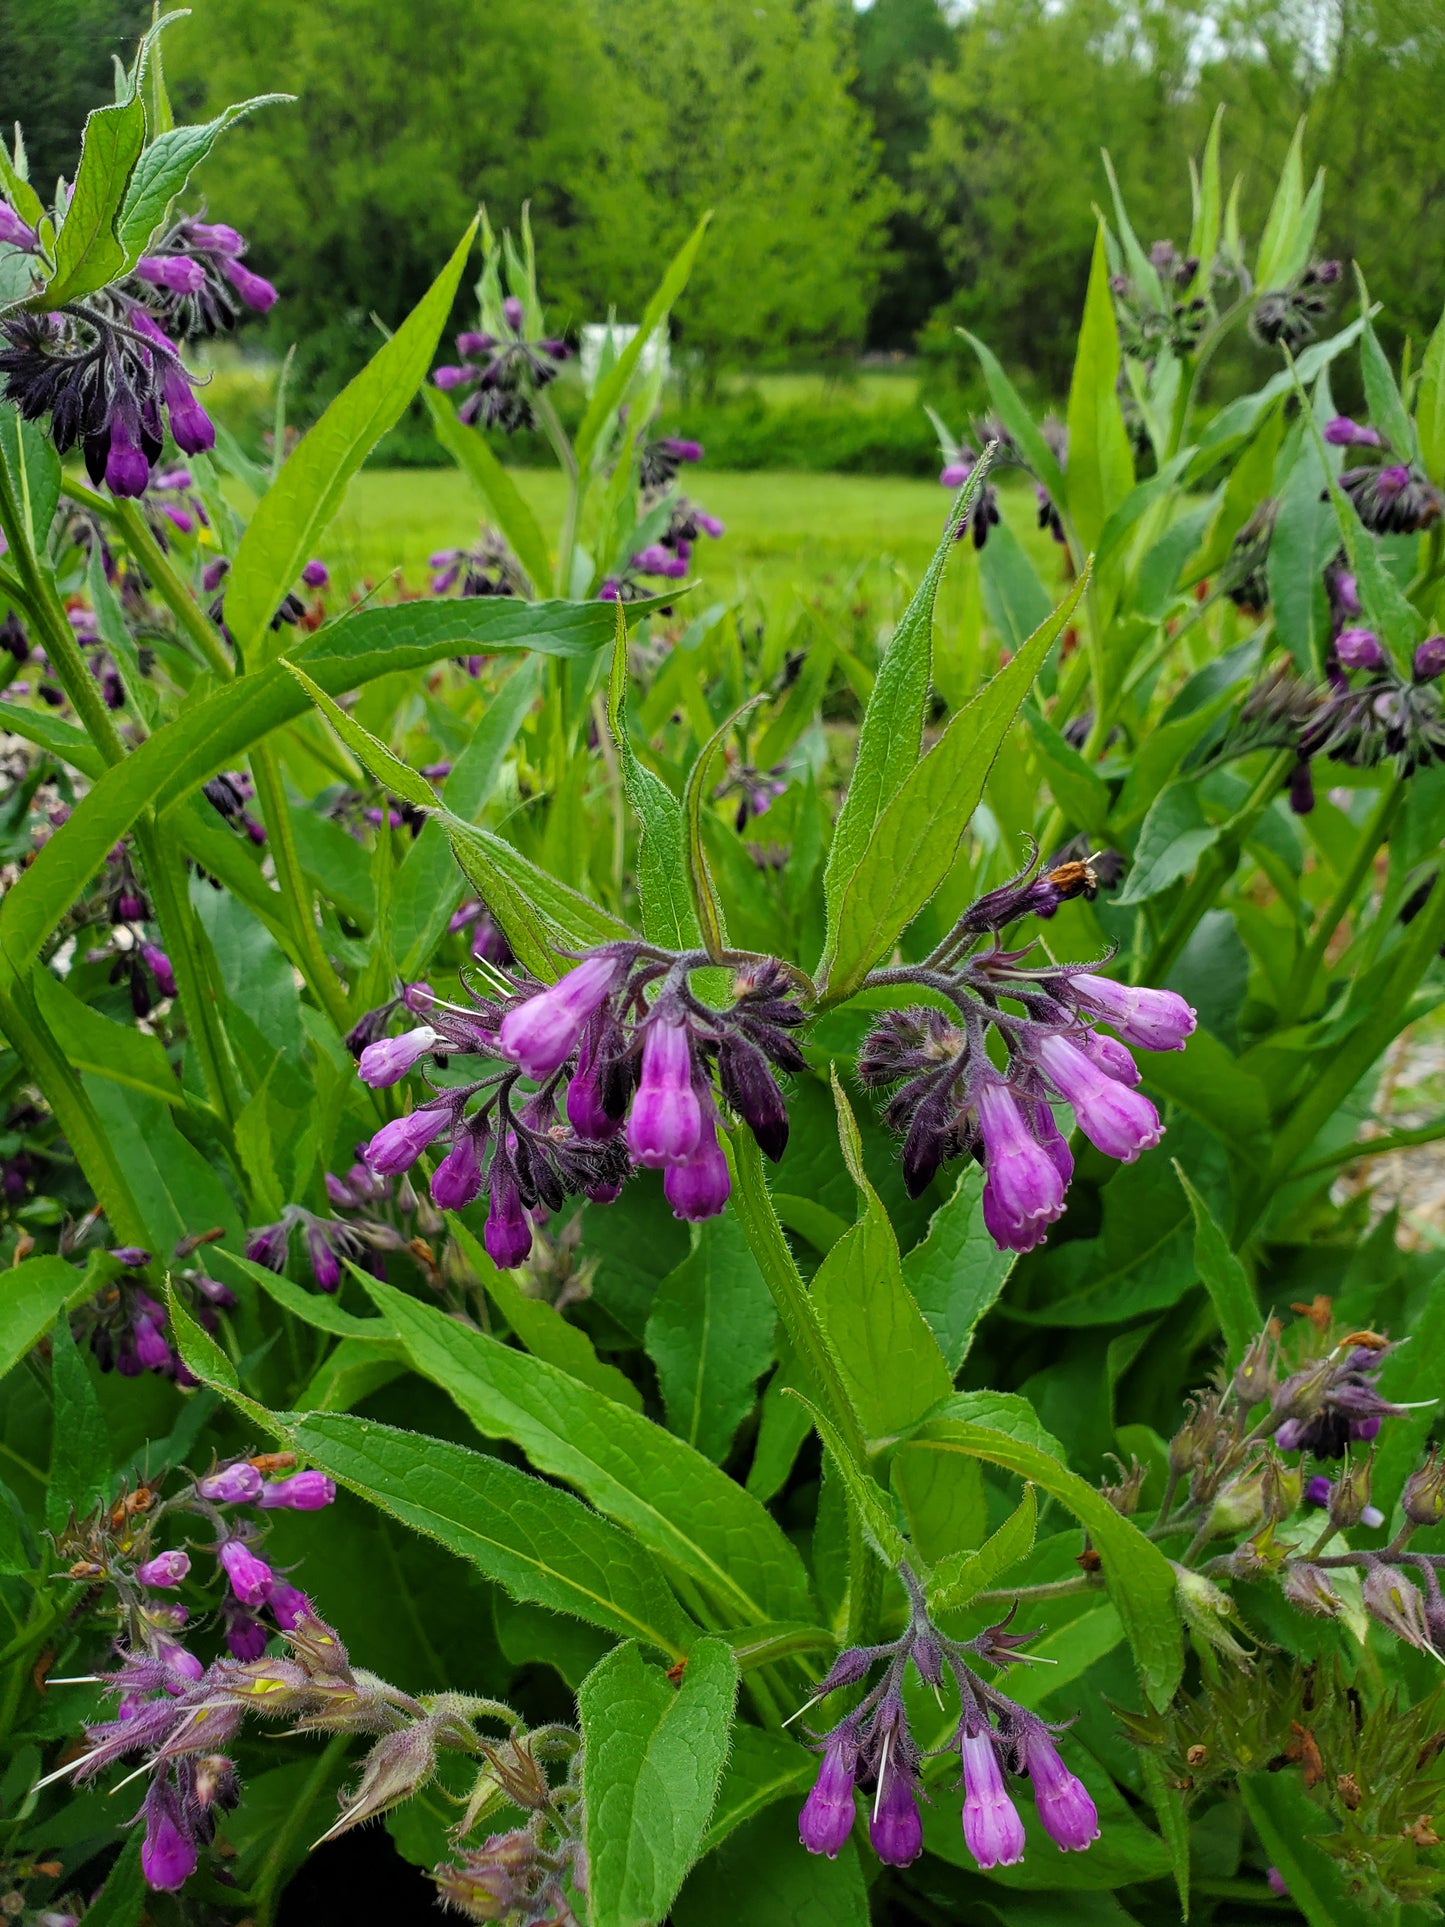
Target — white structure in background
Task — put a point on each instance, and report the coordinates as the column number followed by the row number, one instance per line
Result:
column 595, row 336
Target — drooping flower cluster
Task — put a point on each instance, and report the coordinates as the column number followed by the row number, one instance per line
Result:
column 107, row 369
column 1391, row 496
column 872, row 1749
column 1177, row 316
column 503, row 371
column 489, row 568
column 1288, row 317
column 127, row 1327
column 959, row 460
column 622, row 1053
column 951, row 1100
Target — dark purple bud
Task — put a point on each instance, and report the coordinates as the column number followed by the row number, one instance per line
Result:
column 250, row 1577
column 214, row 1292
column 151, row 1347
column 1430, row 659
column 513, row 313
column 507, row 1233
column 315, row 575
column 389, row 1059
column 245, row 1637
column 254, row 290
column 15, row 231
column 289, row 1605
column 159, row 965
column 827, row 1816
column 397, row 1146
column 1066, row 1812
column 214, row 574
column 955, row 474
column 215, row 237
column 751, row 1089
column 586, row 1112
column 165, row 1570
column 268, row 1246
column 325, row 1265
column 1358, row 649
column 131, row 1256
column 302, row 1492
column 238, row 1484
column 666, row 1120
column 126, row 469
column 1301, row 788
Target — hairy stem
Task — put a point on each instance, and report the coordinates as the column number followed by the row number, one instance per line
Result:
column 1307, row 965
column 322, row 980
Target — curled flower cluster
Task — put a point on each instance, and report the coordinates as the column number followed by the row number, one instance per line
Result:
column 1288, row 317
column 1145, row 325
column 959, row 460
column 873, row 1749
column 951, row 1100
column 487, row 569
column 1391, row 497
column 127, row 1328
column 503, row 371
column 622, row 1054
column 107, row 370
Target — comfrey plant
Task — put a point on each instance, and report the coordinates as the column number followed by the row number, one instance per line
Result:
column 445, row 1162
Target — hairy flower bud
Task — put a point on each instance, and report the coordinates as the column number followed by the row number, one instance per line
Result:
column 1066, row 1811
column 302, row 1492
column 1359, row 649
column 398, row 1145
column 1423, row 1499
column 166, row 1569
column 1308, row 1588
column 1391, row 1599
column 389, row 1059
column 250, row 1577
column 238, row 1484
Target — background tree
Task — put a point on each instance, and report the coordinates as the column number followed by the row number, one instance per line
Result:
column 55, row 65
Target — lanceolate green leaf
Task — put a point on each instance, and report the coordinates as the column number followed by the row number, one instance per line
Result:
column 613, row 386
column 955, row 1581
column 88, row 252
column 704, row 891
column 538, row 1543
column 1139, row 1577
column 1382, row 396
column 1010, row 409
column 32, row 1293
column 95, row 1043
column 164, row 168
column 892, row 731
column 295, row 510
column 32, row 468
column 915, row 839
column 710, row 1334
column 676, row 1504
column 871, row 1505
column 1100, row 470
column 653, row 1757
column 1277, row 242
column 172, row 764
column 1224, row 1277
column 1430, row 406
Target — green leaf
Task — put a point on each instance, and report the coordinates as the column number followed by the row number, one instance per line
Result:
column 1304, row 539
column 388, row 769
column 1430, row 406
column 538, row 1543
column 912, row 845
column 957, row 1580
column 121, row 1902
column 891, row 1364
column 33, row 469
column 1100, row 468
column 1169, row 1810
column 1225, row 1278
column 170, row 766
column 1277, row 244
column 763, row 1877
column 1208, row 199
column 711, row 1336
column 80, row 1469
column 888, row 743
column 175, row 1189
column 1172, row 838
column 1411, row 1376
column 1387, row 410
column 762, row 1767
column 676, row 1504
column 668, row 916
column 958, row 1271
column 95, row 1043
column 1289, row 1824
column 1078, row 789
column 541, row 1329
column 653, row 1756
column 1010, row 409
column 88, row 252
column 32, row 1293
column 613, row 386
column 867, row 1500
column 505, row 501
column 1139, row 1577
column 295, row 511
column 315, row 1308
column 164, row 168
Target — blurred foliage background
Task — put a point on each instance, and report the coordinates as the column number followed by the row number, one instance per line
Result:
column 879, row 175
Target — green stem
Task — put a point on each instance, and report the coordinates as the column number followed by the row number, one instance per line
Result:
column 199, row 630
column 567, row 462
column 1302, row 977
column 1430, row 565
column 321, row 978
column 1374, row 1147
column 865, row 1585
column 165, row 875
column 1216, row 866
column 1030, row 1595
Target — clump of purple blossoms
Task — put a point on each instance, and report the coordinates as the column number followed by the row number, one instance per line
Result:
column 1332, row 1402
column 327, row 1242
column 871, row 1749
column 951, row 1100
column 1391, row 496
column 660, row 460
column 107, row 370
column 489, row 568
column 622, row 1054
column 503, row 371
column 128, row 1328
